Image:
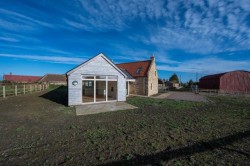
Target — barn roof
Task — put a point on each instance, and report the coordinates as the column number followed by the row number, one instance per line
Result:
column 213, row 76
column 21, row 78
column 53, row 77
column 216, row 76
column 136, row 69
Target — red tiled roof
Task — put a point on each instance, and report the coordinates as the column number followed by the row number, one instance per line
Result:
column 20, row 78
column 133, row 66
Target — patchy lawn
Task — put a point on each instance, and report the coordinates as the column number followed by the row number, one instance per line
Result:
column 38, row 129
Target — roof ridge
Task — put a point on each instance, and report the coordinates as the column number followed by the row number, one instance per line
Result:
column 21, row 75
column 133, row 62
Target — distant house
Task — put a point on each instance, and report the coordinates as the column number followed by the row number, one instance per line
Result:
column 55, row 79
column 21, row 78
column 171, row 84
column 161, row 83
column 231, row 82
column 99, row 80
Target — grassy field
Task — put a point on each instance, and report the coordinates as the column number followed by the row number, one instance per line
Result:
column 38, row 129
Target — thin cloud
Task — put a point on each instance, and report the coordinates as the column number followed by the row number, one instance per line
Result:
column 9, row 39
column 217, row 27
column 51, row 59
column 206, row 66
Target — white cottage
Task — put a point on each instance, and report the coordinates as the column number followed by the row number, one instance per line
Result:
column 97, row 80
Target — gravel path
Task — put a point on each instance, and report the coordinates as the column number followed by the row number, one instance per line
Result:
column 189, row 96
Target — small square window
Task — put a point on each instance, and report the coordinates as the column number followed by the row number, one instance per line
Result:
column 138, row 71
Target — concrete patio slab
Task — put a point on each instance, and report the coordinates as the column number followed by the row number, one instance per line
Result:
column 102, row 107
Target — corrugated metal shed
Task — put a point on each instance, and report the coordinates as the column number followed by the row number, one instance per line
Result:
column 234, row 81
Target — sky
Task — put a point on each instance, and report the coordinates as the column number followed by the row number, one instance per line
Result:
column 185, row 36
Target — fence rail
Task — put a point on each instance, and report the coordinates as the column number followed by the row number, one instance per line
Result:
column 222, row 92
column 14, row 90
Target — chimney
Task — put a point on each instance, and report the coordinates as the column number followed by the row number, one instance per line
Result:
column 152, row 58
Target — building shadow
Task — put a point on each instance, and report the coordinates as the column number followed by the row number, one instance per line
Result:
column 168, row 154
column 58, row 95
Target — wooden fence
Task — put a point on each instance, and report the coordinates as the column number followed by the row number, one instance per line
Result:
column 14, row 90
column 222, row 92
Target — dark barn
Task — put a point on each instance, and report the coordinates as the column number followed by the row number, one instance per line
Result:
column 229, row 82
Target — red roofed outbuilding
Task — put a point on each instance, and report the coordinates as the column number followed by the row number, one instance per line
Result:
column 21, row 78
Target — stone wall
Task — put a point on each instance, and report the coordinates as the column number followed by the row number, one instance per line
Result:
column 152, row 82
column 146, row 85
column 139, row 86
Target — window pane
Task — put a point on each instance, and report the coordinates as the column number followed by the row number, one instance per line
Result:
column 138, row 71
column 100, row 77
column 87, row 91
column 112, row 90
column 112, row 77
column 100, row 91
column 87, row 77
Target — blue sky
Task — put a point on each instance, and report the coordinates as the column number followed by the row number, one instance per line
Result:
column 53, row 36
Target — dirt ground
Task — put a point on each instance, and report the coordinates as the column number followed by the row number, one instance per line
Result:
column 38, row 129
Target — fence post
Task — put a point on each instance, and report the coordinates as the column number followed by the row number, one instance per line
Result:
column 23, row 89
column 3, row 91
column 15, row 90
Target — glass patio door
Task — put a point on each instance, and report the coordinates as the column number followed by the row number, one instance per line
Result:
column 99, row 88
column 87, row 91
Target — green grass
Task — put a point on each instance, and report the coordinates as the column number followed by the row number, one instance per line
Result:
column 10, row 89
column 164, row 132
column 171, row 104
